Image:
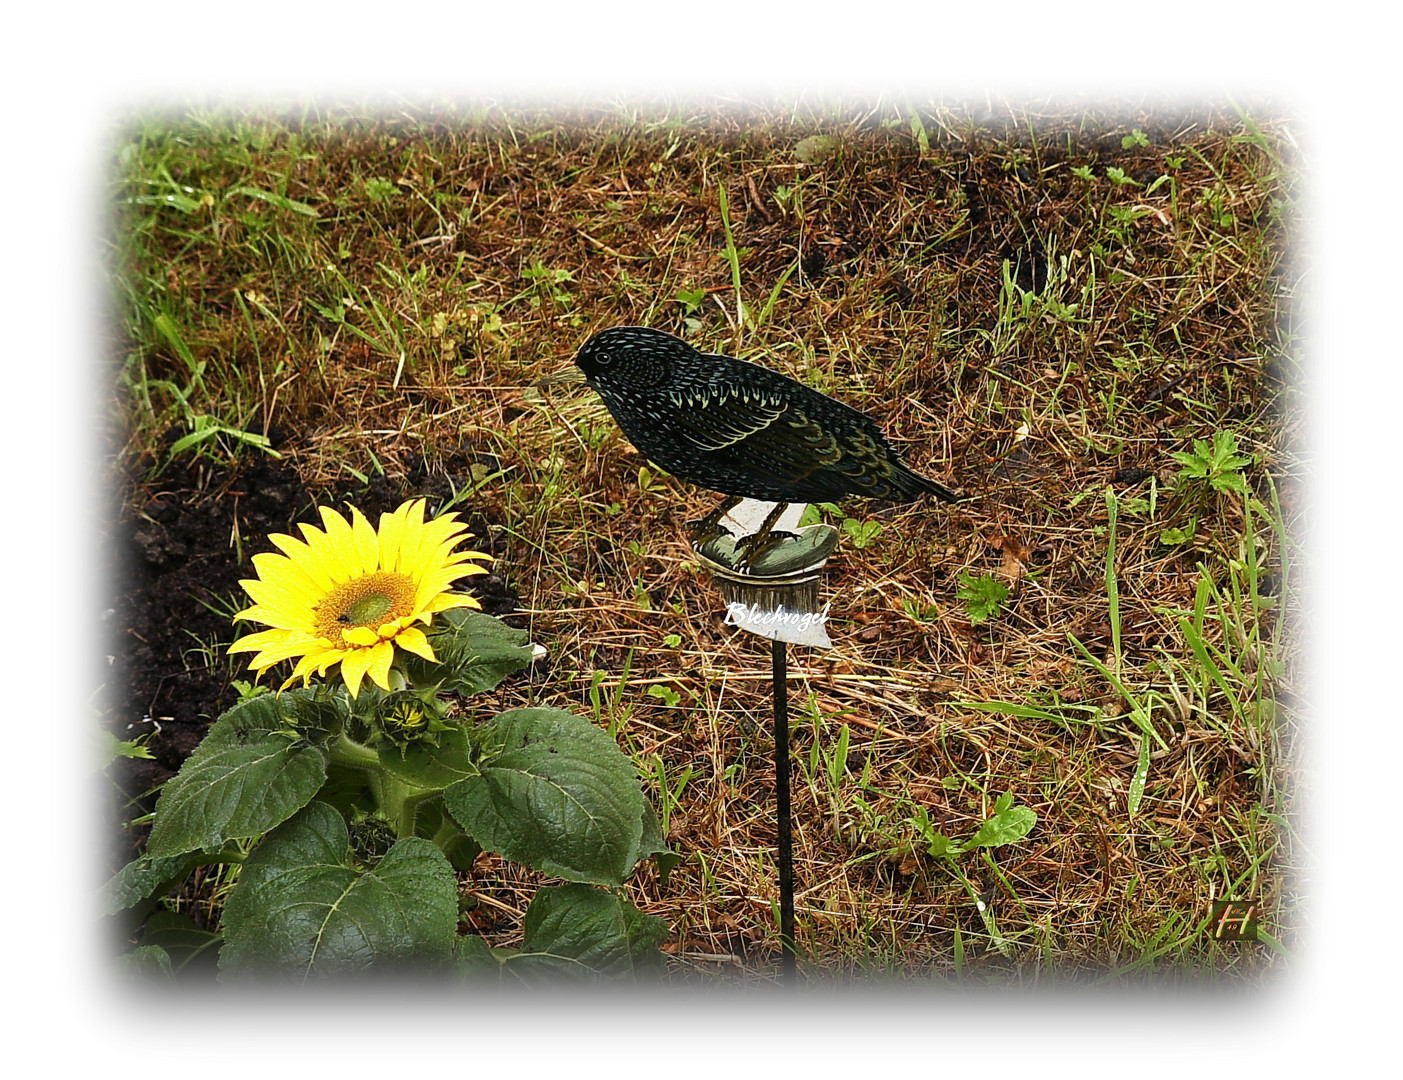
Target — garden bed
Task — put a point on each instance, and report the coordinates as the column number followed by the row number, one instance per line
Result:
column 1042, row 311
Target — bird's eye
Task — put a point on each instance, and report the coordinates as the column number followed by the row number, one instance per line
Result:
column 602, row 359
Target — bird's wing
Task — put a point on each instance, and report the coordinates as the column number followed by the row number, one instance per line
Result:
column 759, row 430
column 723, row 417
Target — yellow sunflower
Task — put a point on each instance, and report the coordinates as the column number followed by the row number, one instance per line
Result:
column 350, row 593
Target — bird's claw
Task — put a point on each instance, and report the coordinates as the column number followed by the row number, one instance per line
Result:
column 752, row 547
column 706, row 529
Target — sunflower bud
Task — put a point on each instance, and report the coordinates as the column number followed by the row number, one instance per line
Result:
column 408, row 716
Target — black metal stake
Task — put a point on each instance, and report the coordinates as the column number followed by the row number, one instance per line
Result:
column 778, row 657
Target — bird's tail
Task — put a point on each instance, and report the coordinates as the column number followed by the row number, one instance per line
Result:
column 912, row 485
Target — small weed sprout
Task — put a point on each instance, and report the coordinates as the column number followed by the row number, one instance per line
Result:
column 666, row 694
column 861, row 533
column 691, row 299
column 984, row 596
column 1218, row 465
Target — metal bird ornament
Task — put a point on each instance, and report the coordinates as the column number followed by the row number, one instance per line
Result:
column 740, row 429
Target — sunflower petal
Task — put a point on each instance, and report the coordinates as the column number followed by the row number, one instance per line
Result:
column 367, row 546
column 381, row 657
column 412, row 639
column 335, row 545
column 362, row 637
column 393, row 528
column 353, row 667
column 446, row 601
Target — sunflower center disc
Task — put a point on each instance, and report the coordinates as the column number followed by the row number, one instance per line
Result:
column 371, row 600
column 369, row 609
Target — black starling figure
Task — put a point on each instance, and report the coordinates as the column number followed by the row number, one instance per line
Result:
column 740, row 429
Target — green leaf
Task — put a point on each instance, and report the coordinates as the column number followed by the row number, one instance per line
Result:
column 652, row 842
column 146, row 961
column 378, row 189
column 1194, row 465
column 475, row 652
column 187, row 947
column 816, row 148
column 1009, row 824
column 141, row 879
column 204, row 428
column 862, row 533
column 248, row 775
column 112, row 748
column 666, row 694
column 347, row 788
column 302, row 909
column 1137, row 782
column 175, row 200
column 692, row 299
column 1230, row 481
column 167, row 328
column 1219, row 463
column 282, row 202
column 984, row 596
column 1030, row 712
column 473, row 956
column 918, row 131
column 433, row 822
column 560, row 797
column 575, row 930
column 317, row 715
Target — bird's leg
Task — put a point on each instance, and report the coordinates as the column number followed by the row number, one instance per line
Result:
column 710, row 527
column 761, row 540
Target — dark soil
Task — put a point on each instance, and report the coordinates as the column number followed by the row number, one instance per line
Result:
column 173, row 571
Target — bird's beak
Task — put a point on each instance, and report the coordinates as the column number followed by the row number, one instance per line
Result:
column 571, row 374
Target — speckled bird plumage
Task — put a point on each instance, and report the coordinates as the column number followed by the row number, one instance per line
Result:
column 741, row 429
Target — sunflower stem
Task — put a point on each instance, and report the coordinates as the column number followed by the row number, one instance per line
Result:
column 392, row 795
column 409, row 811
column 399, row 802
column 346, row 751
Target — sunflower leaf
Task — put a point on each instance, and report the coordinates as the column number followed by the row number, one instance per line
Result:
column 249, row 774
column 475, row 652
column 559, row 796
column 653, row 843
column 301, row 908
column 141, row 879
column 189, row 948
column 576, row 930
column 150, row 962
column 474, row 958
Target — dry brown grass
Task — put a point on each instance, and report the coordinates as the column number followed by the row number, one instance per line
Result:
column 1185, row 327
